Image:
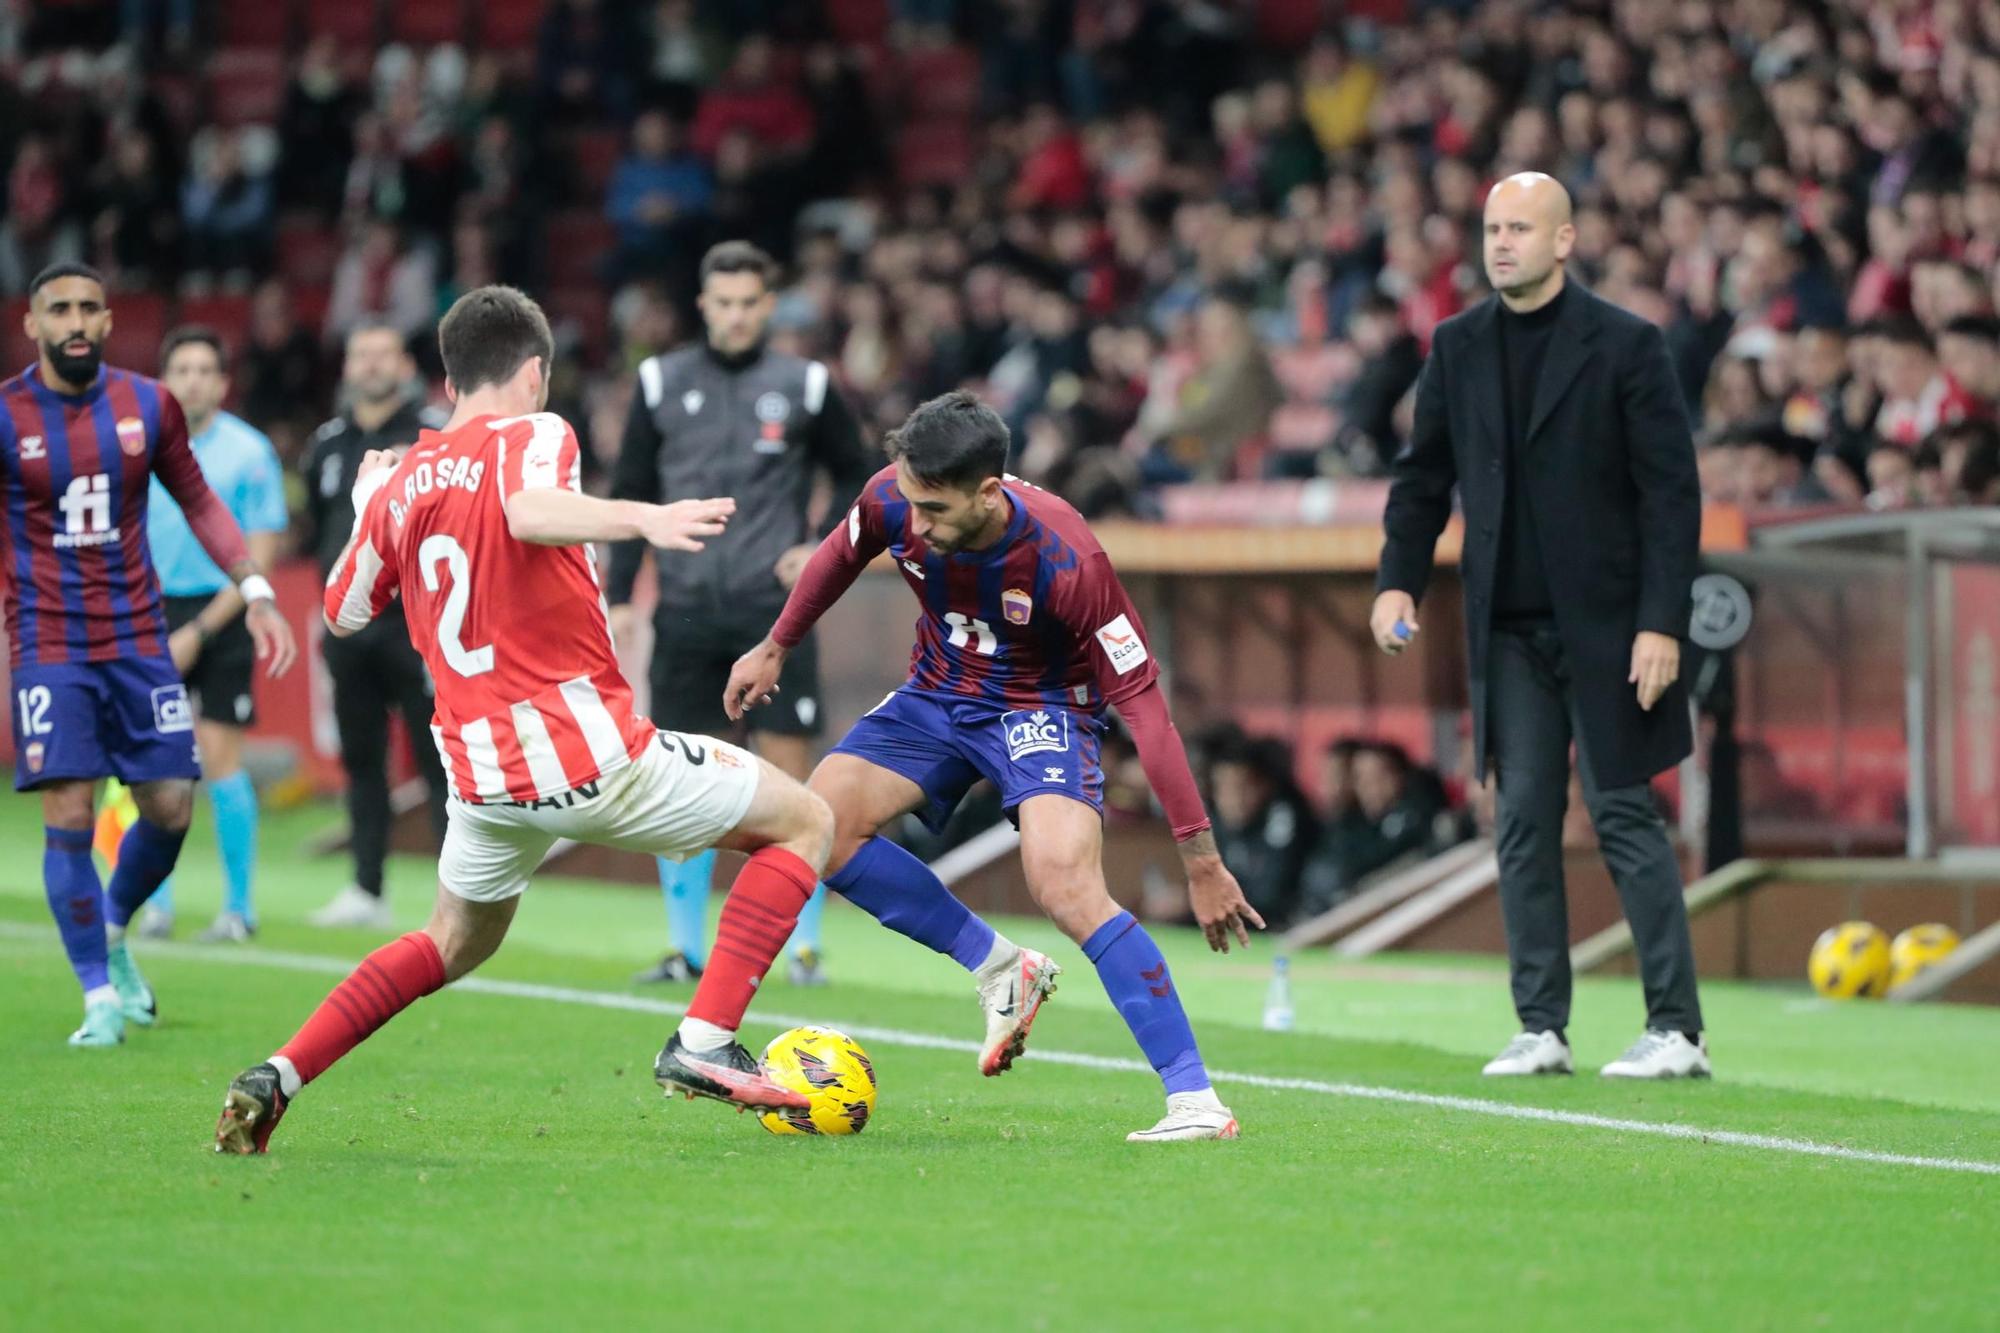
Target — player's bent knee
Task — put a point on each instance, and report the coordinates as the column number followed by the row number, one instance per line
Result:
column 69, row 805
column 814, row 840
column 167, row 803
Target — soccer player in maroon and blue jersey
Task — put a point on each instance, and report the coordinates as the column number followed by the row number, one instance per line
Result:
column 95, row 692
column 1026, row 637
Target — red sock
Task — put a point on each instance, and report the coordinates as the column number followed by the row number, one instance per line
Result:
column 387, row 982
column 756, row 920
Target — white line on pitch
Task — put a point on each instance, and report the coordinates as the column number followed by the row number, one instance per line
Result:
column 299, row 962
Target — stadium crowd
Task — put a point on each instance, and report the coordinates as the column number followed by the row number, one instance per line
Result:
column 1173, row 240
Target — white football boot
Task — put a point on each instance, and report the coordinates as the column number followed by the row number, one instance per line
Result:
column 1660, row 1054
column 1190, row 1115
column 1012, row 995
column 353, row 906
column 1531, row 1053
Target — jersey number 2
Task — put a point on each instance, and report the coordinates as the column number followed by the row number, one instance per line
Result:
column 438, row 549
column 978, row 633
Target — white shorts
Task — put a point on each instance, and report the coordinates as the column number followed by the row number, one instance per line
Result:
column 680, row 797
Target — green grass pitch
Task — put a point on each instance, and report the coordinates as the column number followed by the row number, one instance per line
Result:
column 502, row 1160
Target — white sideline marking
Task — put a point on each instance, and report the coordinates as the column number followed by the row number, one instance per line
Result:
column 299, row 962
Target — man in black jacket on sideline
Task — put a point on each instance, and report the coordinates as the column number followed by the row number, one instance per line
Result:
column 1557, row 417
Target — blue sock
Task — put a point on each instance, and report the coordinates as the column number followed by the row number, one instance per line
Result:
column 900, row 891
column 1134, row 974
column 76, row 900
column 235, row 801
column 685, row 885
column 145, row 858
column 805, row 935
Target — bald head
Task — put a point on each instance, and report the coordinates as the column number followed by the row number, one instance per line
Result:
column 1528, row 235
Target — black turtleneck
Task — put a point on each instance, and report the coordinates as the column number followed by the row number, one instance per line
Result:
column 1520, row 584
column 734, row 361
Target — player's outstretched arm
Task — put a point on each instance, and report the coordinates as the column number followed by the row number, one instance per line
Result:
column 830, row 573
column 1219, row 905
column 547, row 516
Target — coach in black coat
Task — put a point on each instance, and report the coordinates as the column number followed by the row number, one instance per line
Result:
column 1557, row 417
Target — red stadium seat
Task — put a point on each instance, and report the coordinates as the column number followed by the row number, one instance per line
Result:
column 265, row 23
column 1290, row 24
column 353, row 22
column 509, row 25
column 138, row 323
column 594, row 154
column 858, row 22
column 579, row 242
column 427, row 22
column 229, row 316
column 307, row 251
column 1303, row 427
column 943, row 81
column 309, row 303
column 246, row 85
column 938, row 153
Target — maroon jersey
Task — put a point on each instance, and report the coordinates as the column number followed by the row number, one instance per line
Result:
column 1037, row 618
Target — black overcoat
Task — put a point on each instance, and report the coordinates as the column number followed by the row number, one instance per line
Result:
column 1612, row 487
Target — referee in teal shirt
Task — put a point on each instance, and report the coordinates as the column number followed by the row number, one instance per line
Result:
column 209, row 642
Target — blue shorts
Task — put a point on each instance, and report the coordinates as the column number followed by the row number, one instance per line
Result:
column 946, row 742
column 127, row 718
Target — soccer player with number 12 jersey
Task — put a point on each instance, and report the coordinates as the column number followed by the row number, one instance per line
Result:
column 95, row 693
column 1025, row 638
column 483, row 530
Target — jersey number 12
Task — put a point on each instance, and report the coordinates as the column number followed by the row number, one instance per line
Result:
column 441, row 550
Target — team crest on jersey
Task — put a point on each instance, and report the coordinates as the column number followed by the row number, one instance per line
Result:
column 1016, row 606
column 36, row 753
column 773, row 408
column 1036, row 732
column 31, row 448
column 692, row 400
column 131, row 436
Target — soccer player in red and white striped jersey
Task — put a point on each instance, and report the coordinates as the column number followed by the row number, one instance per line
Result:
column 483, row 531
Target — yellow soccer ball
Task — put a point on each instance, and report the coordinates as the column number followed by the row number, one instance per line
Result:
column 1918, row 949
column 830, row 1068
column 1850, row 960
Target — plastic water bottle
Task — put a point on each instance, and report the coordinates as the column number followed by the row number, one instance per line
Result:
column 1278, row 1014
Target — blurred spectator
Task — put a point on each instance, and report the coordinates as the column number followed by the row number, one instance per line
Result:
column 1053, row 173
column 226, row 211
column 1389, row 813
column 583, row 60
column 1969, row 351
column 751, row 98
column 35, row 230
column 1226, row 403
column 1391, row 358
column 1916, row 396
column 659, row 198
column 316, row 128
column 1263, row 826
column 683, row 57
column 380, row 281
column 1339, row 92
column 281, row 371
column 137, row 229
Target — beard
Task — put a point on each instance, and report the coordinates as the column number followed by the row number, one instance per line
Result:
column 75, row 368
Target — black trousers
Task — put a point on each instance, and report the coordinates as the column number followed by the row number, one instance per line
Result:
column 374, row 671
column 1532, row 717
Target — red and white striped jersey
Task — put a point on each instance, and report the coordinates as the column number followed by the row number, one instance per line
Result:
column 530, row 701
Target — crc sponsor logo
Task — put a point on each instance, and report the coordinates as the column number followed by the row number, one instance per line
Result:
column 171, row 712
column 1037, row 732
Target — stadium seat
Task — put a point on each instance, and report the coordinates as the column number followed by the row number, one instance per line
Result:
column 935, row 153
column 138, row 323
column 427, row 22
column 309, row 303
column 246, row 85
column 943, row 81
column 1303, row 427
column 263, row 23
column 307, row 250
column 352, row 22
column 579, row 241
column 1310, row 374
column 593, row 156
column 858, row 22
column 1287, row 25
column 227, row 315
column 509, row 25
